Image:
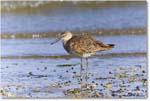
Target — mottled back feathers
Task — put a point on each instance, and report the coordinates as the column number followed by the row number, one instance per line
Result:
column 85, row 45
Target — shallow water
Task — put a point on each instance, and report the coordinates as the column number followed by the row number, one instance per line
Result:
column 76, row 17
column 42, row 46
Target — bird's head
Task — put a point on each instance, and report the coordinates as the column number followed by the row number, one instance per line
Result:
column 65, row 36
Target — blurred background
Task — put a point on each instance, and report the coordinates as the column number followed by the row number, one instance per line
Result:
column 47, row 16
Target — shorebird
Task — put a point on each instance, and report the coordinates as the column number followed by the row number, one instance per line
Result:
column 83, row 47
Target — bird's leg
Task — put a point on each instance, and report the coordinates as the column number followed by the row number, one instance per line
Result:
column 86, row 72
column 81, row 67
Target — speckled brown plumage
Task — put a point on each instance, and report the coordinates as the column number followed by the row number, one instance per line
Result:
column 82, row 45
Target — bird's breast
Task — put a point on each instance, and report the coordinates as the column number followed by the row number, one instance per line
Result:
column 67, row 47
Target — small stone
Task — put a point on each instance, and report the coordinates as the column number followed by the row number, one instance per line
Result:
column 133, row 79
column 30, row 73
column 92, row 87
column 113, row 94
column 130, row 94
column 76, row 76
column 9, row 95
column 120, row 91
column 137, row 88
column 108, row 96
column 79, row 96
column 2, row 90
column 45, row 68
column 97, row 94
column 74, row 72
column 109, row 86
column 121, row 96
column 143, row 71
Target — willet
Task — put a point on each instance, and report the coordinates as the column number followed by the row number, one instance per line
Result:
column 83, row 47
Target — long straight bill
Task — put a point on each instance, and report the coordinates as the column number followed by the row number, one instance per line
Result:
column 55, row 41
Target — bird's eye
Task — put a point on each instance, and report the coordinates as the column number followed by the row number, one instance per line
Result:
column 63, row 35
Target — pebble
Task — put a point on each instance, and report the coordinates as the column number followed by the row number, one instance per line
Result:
column 74, row 72
column 30, row 73
column 137, row 88
column 143, row 71
column 123, row 82
column 93, row 87
column 2, row 90
column 113, row 94
column 45, row 68
column 109, row 86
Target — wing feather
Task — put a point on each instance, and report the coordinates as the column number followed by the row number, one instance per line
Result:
column 84, row 44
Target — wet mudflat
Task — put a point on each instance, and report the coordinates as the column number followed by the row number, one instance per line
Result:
column 50, row 78
column 110, row 76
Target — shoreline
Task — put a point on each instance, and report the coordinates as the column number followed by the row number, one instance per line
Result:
column 134, row 31
column 135, row 54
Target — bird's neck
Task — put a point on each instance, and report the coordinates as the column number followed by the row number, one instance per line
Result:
column 67, row 38
column 65, row 41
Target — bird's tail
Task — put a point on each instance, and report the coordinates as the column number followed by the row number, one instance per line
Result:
column 108, row 46
column 104, row 47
